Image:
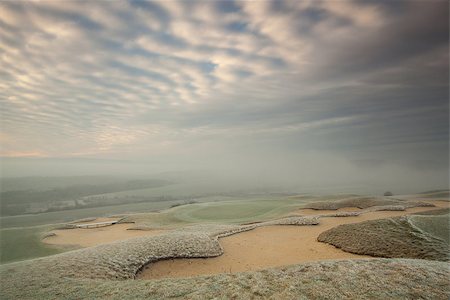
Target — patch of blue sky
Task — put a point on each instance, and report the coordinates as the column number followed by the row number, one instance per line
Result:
column 236, row 27
column 227, row 6
column 207, row 67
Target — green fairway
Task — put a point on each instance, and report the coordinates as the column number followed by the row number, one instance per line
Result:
column 239, row 210
column 23, row 243
column 233, row 211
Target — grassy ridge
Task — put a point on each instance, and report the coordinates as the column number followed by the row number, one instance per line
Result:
column 345, row 279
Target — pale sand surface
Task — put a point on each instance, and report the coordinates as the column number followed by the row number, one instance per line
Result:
column 97, row 220
column 271, row 246
column 88, row 237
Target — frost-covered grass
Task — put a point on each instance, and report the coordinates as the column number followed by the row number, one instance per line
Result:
column 346, row 279
column 108, row 271
column 365, row 202
column 435, row 225
column 363, row 211
column 406, row 237
column 124, row 259
column 236, row 212
column 293, row 220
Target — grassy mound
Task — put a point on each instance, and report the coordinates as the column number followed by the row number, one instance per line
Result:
column 395, row 237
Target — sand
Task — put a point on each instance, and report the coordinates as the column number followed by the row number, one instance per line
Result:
column 88, row 237
column 96, row 220
column 271, row 246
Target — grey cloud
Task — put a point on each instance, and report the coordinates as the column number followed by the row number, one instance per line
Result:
column 255, row 83
column 419, row 28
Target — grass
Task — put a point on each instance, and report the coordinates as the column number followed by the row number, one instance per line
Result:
column 362, row 202
column 20, row 243
column 436, row 194
column 70, row 215
column 405, row 237
column 223, row 212
column 235, row 211
column 24, row 243
column 435, row 225
column 101, row 271
column 346, row 279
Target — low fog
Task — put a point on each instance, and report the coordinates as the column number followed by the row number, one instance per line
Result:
column 310, row 172
column 309, row 96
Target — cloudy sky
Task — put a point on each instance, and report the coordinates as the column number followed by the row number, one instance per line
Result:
column 278, row 86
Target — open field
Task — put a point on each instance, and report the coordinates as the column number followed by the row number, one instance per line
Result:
column 102, row 268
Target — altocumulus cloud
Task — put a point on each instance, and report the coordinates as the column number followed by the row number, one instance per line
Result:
column 191, row 81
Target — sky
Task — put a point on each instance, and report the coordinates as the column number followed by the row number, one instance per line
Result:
column 306, row 92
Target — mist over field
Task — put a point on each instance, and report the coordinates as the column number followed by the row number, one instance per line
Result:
column 307, row 173
column 334, row 96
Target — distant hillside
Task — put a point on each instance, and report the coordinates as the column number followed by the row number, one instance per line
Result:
column 41, row 195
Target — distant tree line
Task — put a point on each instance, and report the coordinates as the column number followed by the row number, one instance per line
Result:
column 18, row 202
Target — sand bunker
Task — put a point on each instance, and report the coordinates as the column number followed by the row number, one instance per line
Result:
column 269, row 247
column 84, row 237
